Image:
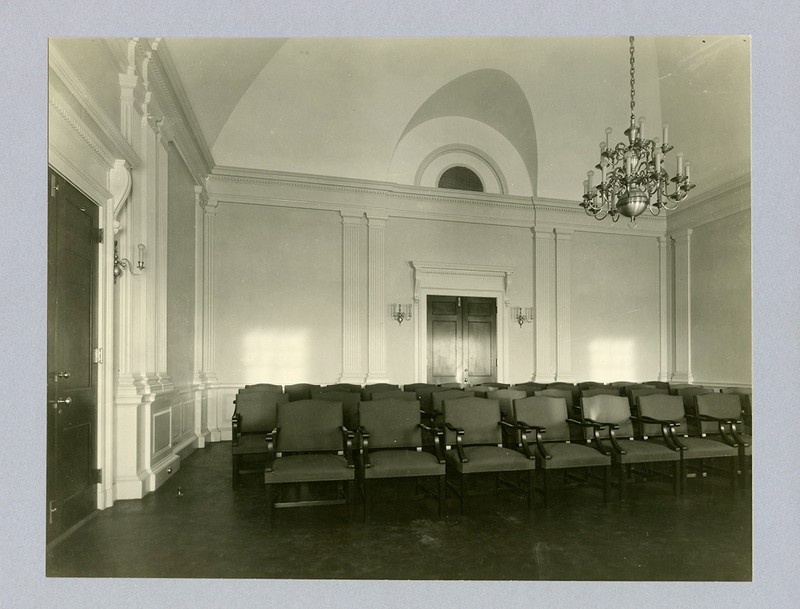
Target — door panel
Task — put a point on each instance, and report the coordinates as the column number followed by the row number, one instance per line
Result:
column 71, row 374
column 462, row 336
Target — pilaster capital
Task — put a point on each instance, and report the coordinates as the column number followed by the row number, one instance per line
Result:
column 210, row 205
column 563, row 233
column 200, row 196
column 376, row 218
column 351, row 217
column 543, row 232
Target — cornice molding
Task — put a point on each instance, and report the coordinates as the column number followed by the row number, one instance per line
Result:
column 714, row 205
column 424, row 269
column 181, row 114
column 367, row 187
column 80, row 128
column 121, row 147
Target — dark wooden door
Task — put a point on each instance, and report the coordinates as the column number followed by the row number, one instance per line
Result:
column 462, row 339
column 71, row 372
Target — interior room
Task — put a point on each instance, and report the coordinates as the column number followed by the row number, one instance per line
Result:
column 230, row 212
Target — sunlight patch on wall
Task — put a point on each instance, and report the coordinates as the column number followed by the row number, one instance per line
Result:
column 612, row 359
column 276, row 356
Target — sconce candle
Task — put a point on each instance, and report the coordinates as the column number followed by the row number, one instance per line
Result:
column 401, row 313
column 120, row 264
column 522, row 316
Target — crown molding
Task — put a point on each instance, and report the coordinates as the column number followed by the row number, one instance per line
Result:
column 119, row 146
column 160, row 78
column 725, row 200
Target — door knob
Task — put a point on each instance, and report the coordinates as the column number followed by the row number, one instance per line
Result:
column 62, row 375
column 65, row 401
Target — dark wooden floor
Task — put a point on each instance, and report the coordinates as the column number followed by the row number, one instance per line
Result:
column 212, row 531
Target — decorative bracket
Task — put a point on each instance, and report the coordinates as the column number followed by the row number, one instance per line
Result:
column 120, row 186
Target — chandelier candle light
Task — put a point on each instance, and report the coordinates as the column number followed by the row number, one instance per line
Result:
column 632, row 173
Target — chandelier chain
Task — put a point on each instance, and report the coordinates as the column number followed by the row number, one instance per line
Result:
column 633, row 83
column 632, row 174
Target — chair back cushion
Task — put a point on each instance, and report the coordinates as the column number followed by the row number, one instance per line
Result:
column 604, row 390
column 478, row 417
column 391, row 423
column 368, row 390
column 506, row 398
column 437, row 397
column 558, row 393
column 310, row 426
column 608, row 409
column 395, row 394
column 590, row 385
column 423, row 391
column 544, row 411
column 661, row 406
column 529, row 388
column 300, row 391
column 346, row 387
column 720, row 405
column 688, row 393
column 349, row 401
column 263, row 387
column 258, row 410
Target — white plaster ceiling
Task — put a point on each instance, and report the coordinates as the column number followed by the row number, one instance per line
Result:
column 343, row 106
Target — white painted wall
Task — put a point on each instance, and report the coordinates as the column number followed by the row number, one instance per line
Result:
column 615, row 307
column 180, row 272
column 721, row 301
column 277, row 295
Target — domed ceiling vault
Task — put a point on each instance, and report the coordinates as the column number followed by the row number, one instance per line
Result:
column 347, row 107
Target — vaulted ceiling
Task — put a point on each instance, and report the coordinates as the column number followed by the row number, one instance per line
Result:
column 380, row 108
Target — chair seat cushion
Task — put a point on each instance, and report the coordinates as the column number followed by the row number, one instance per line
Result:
column 489, row 459
column 706, row 448
column 309, row 468
column 250, row 444
column 572, row 455
column 643, row 451
column 402, row 463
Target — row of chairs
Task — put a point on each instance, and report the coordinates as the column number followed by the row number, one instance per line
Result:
column 471, row 434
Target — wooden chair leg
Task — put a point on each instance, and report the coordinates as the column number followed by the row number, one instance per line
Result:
column 622, row 473
column 367, row 501
column 270, row 500
column 531, row 488
column 606, row 482
column 734, row 461
column 677, row 478
column 464, row 487
column 442, row 495
column 349, row 493
column 235, row 471
column 545, row 485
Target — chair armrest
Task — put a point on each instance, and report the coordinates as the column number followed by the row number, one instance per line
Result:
column 236, row 428
column 597, row 427
column 347, row 439
column 645, row 419
column 526, row 429
column 438, row 440
column 363, row 434
column 459, row 442
column 270, row 439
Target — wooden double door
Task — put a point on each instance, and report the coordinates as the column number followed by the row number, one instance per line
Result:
column 71, row 369
column 462, row 339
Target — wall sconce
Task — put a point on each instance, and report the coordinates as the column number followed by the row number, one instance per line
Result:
column 120, row 264
column 401, row 313
column 522, row 316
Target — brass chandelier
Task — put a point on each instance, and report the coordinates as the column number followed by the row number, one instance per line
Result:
column 632, row 174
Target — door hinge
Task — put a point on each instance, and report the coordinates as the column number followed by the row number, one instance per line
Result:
column 97, row 476
column 53, row 186
column 98, row 355
column 99, row 235
column 51, row 509
column 459, row 301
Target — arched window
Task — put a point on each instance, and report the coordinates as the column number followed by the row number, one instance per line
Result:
column 461, row 178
